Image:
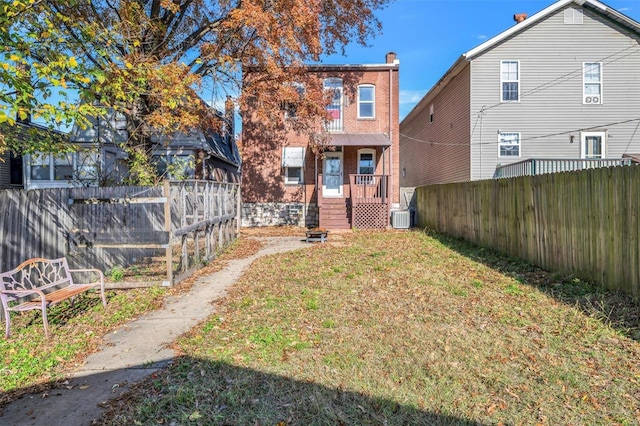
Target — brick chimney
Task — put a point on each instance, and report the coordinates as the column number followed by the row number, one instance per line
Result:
column 390, row 57
column 519, row 17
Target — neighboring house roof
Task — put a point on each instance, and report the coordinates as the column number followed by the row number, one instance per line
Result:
column 468, row 56
column 24, row 131
column 113, row 130
column 224, row 148
column 597, row 6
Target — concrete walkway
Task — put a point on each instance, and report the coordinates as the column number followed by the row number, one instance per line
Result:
column 135, row 351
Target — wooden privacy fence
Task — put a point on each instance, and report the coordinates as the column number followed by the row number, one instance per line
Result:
column 179, row 224
column 584, row 222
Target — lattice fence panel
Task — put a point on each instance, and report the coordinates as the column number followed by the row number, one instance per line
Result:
column 370, row 216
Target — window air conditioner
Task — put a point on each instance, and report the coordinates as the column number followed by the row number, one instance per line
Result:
column 591, row 99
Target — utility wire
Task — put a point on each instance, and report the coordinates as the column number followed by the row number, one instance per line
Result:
column 567, row 77
column 525, row 139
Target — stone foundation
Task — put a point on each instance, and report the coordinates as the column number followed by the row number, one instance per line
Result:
column 279, row 214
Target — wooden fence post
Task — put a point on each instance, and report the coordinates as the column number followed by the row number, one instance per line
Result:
column 167, row 227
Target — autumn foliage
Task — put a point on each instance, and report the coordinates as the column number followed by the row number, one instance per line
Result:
column 150, row 59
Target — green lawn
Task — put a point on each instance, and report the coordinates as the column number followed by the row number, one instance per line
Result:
column 29, row 359
column 401, row 328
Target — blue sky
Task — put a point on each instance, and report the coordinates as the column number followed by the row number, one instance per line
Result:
column 429, row 35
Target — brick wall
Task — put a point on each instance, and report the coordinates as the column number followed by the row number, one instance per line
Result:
column 265, row 195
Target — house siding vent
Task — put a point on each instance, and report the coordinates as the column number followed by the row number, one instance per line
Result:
column 573, row 17
column 400, row 219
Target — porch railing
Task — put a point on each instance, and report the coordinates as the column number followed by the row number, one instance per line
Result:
column 369, row 189
column 540, row 166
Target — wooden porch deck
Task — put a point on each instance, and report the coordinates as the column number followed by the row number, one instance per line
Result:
column 365, row 204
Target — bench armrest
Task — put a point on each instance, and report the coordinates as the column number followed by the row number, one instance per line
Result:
column 100, row 274
column 97, row 271
column 22, row 293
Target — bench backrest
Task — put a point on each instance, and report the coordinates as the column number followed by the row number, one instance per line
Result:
column 37, row 273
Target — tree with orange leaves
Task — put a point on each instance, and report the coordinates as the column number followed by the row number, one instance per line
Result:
column 149, row 58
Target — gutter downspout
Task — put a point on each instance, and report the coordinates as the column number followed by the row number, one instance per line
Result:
column 317, row 189
column 390, row 184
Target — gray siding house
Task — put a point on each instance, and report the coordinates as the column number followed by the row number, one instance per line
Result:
column 100, row 160
column 562, row 84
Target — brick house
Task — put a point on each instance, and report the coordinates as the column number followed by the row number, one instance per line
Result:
column 352, row 179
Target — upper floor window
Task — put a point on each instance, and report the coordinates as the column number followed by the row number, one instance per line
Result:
column 366, row 101
column 592, row 83
column 334, row 85
column 509, row 144
column 431, row 113
column 510, row 81
column 290, row 106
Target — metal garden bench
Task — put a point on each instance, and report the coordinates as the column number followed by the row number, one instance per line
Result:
column 40, row 283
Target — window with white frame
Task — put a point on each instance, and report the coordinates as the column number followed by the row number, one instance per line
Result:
column 62, row 166
column 509, row 81
column 431, row 113
column 290, row 106
column 293, row 175
column 334, row 109
column 366, row 101
column 366, row 166
column 87, row 165
column 293, row 163
column 175, row 166
column 366, row 161
column 592, row 83
column 509, row 144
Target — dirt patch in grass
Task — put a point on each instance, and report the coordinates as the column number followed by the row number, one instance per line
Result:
column 397, row 328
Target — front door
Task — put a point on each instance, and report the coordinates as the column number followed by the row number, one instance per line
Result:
column 332, row 171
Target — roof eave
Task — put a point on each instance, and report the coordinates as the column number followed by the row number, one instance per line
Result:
column 454, row 70
column 518, row 27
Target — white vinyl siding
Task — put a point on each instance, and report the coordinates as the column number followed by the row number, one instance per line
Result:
column 551, row 108
column 509, row 81
column 592, row 83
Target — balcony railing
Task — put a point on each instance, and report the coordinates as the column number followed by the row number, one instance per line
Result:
column 541, row 166
column 368, row 189
column 334, row 125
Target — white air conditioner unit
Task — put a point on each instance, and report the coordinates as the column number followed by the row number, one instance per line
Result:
column 400, row 219
column 592, row 99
